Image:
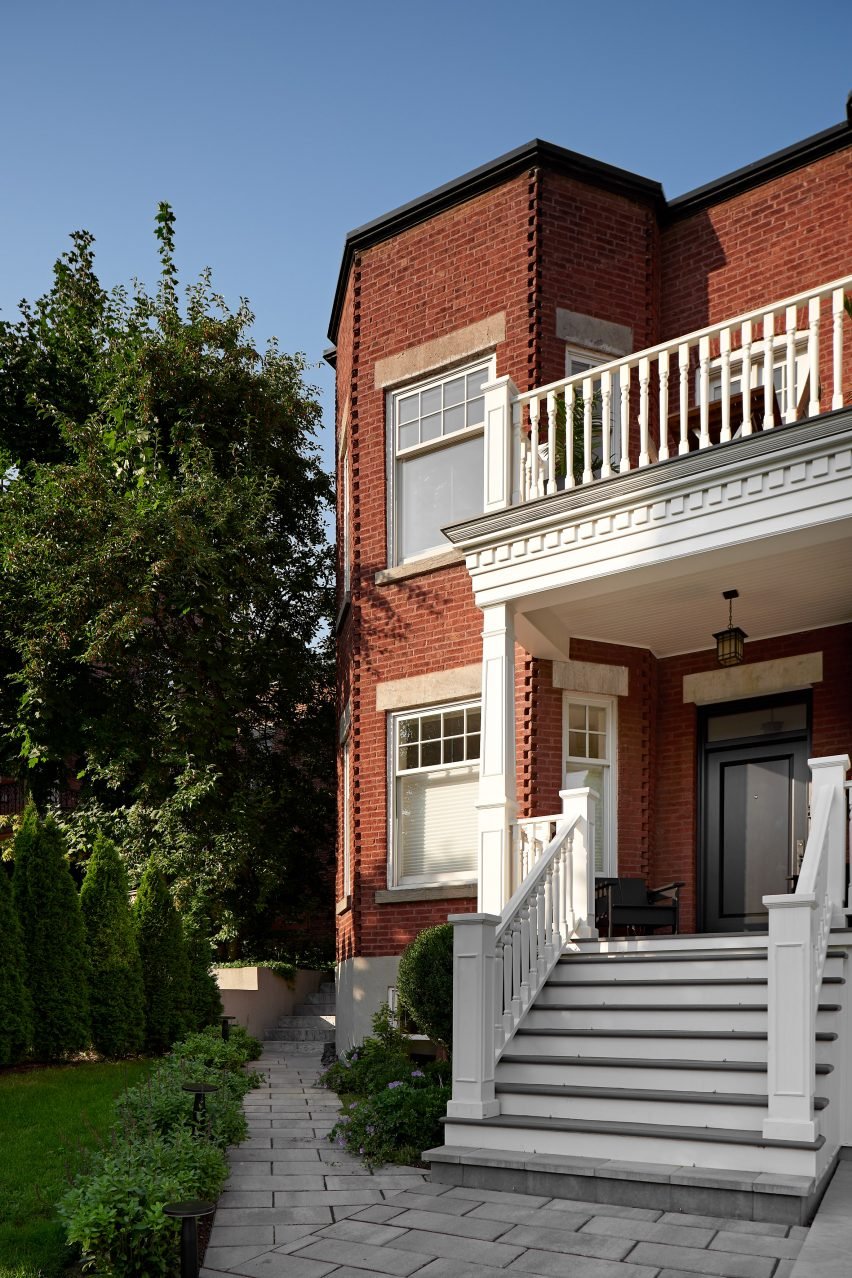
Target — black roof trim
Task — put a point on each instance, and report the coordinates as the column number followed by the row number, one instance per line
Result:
column 597, row 173
column 330, row 356
column 484, row 178
column 816, row 147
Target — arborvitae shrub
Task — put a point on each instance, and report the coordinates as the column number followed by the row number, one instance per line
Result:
column 425, row 982
column 55, row 951
column 205, row 1002
column 165, row 966
column 117, row 993
column 15, row 1007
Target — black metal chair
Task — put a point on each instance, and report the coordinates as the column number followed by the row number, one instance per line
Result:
column 631, row 904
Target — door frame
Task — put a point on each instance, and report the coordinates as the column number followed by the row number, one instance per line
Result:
column 805, row 696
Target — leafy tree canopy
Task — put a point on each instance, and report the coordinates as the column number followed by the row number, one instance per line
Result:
column 166, row 581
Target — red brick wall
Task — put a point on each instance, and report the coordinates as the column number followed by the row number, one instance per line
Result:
column 768, row 243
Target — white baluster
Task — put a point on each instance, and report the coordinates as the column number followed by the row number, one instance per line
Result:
column 837, row 361
column 606, row 424
column 517, row 982
column 768, row 377
column 663, row 368
column 792, row 388
column 588, row 398
column 725, row 352
column 551, row 441
column 535, row 487
column 644, row 379
column 624, row 386
column 569, row 436
column 526, row 925
column 745, row 379
column 499, row 964
column 813, row 356
column 683, row 368
column 508, row 966
column 704, row 391
column 541, row 945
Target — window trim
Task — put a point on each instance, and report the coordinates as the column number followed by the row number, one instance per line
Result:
column 608, row 800
column 395, row 879
column 392, row 393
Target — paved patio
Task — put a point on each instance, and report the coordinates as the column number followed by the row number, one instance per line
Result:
column 296, row 1207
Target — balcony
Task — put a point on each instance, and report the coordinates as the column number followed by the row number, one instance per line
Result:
column 621, row 501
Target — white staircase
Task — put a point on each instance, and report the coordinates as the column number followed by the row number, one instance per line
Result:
column 310, row 1026
column 655, row 1051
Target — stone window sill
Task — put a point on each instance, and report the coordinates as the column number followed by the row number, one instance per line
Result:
column 427, row 563
column 344, row 904
column 441, row 892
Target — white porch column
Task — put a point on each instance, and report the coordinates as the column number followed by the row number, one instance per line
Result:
column 791, row 1048
column 473, row 1016
column 581, row 803
column 831, row 771
column 499, row 433
column 497, row 789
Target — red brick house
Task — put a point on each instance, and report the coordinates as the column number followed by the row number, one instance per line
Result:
column 572, row 415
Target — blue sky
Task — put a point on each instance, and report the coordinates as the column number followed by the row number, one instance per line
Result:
column 273, row 128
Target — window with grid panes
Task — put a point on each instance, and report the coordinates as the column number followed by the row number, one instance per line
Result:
column 590, row 762
column 438, row 458
column 435, row 791
column 578, row 361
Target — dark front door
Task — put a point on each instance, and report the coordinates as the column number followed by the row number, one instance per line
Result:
column 754, row 815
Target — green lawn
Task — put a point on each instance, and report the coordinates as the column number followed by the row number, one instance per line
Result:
column 47, row 1118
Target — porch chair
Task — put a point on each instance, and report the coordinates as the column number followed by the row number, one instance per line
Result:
column 631, row 904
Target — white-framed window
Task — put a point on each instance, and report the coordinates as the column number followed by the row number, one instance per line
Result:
column 436, row 463
column 779, row 373
column 590, row 760
column 434, row 782
column 580, row 361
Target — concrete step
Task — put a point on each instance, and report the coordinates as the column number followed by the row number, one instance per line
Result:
column 297, row 1034
column 309, row 1047
column 615, row 1015
column 322, row 1007
column 729, row 1110
column 699, row 1147
column 312, row 1021
column 327, row 988
column 640, row 1072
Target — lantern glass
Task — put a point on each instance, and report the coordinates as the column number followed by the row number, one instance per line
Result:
column 730, row 645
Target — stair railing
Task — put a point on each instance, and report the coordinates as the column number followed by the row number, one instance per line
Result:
column 799, row 928
column 500, row 962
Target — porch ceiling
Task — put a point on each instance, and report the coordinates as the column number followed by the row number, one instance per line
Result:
column 798, row 582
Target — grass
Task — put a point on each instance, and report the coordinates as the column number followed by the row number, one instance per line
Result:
column 48, row 1119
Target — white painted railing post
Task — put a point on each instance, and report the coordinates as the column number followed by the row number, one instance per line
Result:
column 499, row 469
column 497, row 806
column 831, row 772
column 580, row 803
column 474, row 1000
column 791, row 1048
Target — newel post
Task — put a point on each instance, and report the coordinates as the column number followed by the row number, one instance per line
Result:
column 830, row 772
column 581, row 803
column 499, row 397
column 791, row 1048
column 473, row 1016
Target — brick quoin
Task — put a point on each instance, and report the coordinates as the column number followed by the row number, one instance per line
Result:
column 537, row 241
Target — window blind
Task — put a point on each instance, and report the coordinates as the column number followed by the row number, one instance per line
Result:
column 438, row 822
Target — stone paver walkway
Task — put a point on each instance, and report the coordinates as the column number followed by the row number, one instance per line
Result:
column 296, row 1207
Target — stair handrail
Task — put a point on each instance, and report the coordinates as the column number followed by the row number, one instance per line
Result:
column 800, row 923
column 500, row 962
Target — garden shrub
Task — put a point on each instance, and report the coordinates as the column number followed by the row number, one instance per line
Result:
column 15, row 1007
column 379, row 1060
column 115, row 1212
column 54, row 937
column 395, row 1125
column 425, row 982
column 165, row 967
column 117, row 994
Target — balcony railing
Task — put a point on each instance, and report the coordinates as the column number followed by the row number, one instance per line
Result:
column 750, row 373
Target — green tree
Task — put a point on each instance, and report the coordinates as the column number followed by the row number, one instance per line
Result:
column 117, row 994
column 167, row 587
column 15, row 1007
column 165, row 965
column 205, row 1001
column 48, row 908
